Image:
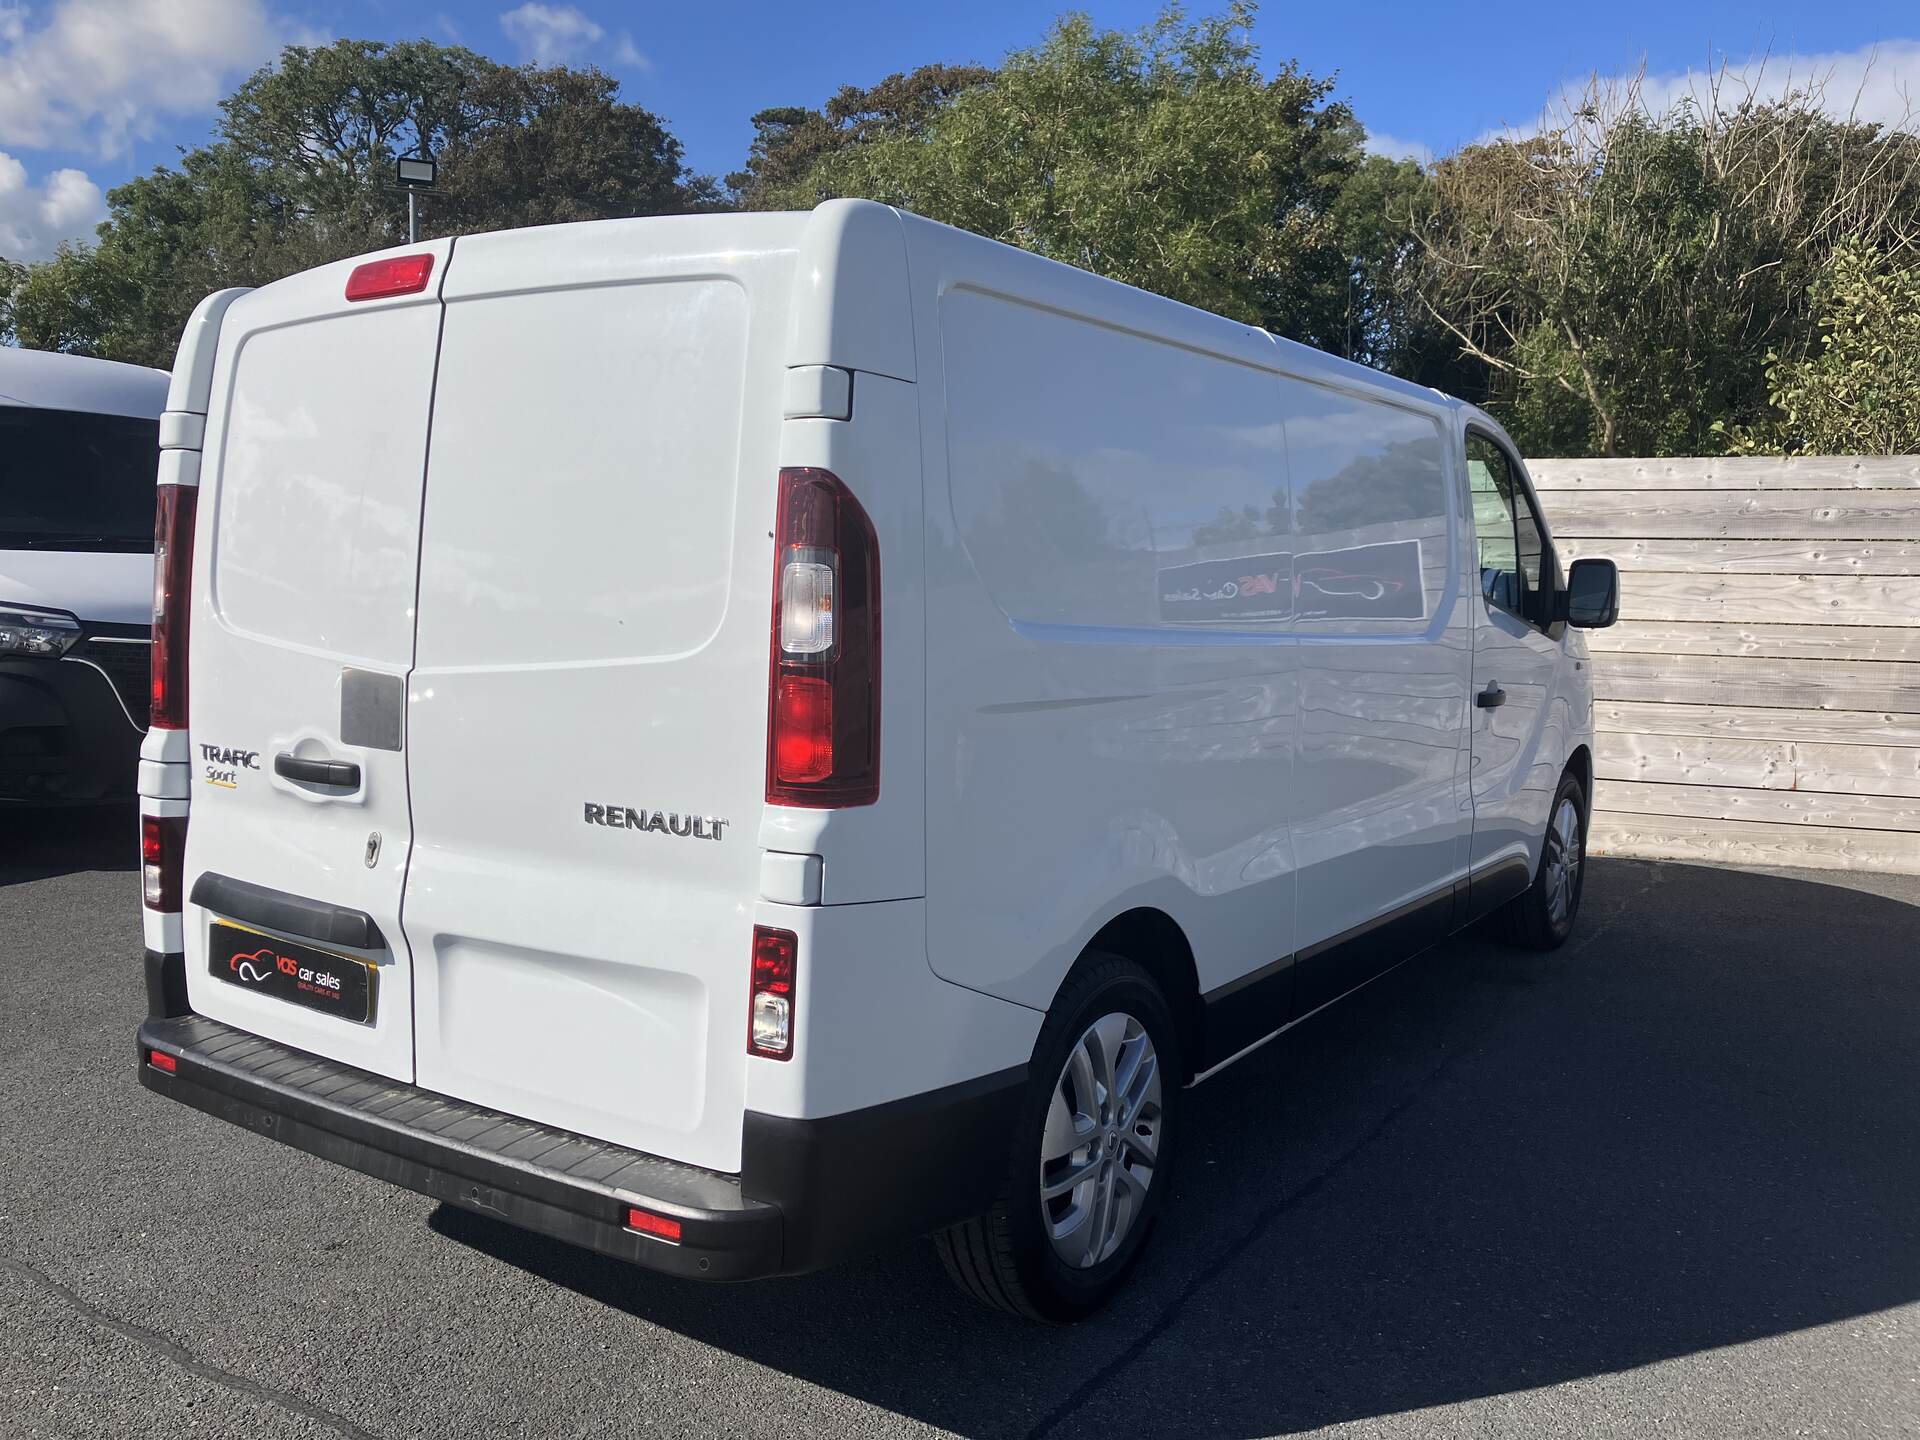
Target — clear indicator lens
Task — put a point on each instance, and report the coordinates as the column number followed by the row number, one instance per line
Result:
column 806, row 608
column 772, row 1022
column 770, row 1006
column 162, row 851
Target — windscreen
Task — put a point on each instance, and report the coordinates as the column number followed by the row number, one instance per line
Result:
column 74, row 480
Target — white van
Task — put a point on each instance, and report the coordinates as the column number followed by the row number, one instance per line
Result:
column 77, row 444
column 730, row 739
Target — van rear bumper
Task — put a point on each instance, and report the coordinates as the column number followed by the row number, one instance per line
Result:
column 811, row 1192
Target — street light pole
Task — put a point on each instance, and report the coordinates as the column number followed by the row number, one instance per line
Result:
column 415, row 173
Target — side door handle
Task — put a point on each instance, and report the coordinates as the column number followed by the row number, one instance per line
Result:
column 343, row 773
column 1491, row 698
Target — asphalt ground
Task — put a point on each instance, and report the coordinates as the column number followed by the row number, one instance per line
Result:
column 1666, row 1181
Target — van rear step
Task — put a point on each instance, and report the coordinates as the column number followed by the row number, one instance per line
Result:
column 551, row 1181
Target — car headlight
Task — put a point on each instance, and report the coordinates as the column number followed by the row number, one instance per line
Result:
column 45, row 634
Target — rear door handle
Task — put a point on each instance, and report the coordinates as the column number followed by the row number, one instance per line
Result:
column 343, row 773
column 1491, row 698
column 295, row 914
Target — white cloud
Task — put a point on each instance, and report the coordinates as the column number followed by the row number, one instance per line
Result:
column 627, row 55
column 1879, row 83
column 96, row 74
column 565, row 35
column 34, row 219
column 1394, row 148
column 551, row 34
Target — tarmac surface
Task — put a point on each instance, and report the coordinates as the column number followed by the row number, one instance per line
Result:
column 1665, row 1180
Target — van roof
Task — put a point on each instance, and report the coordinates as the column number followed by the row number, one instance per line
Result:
column 50, row 381
column 848, row 247
column 1148, row 312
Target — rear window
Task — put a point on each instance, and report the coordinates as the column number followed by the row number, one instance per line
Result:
column 73, row 480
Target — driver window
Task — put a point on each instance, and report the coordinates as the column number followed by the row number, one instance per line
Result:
column 1507, row 532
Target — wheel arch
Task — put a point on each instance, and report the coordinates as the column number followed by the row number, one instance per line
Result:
column 1580, row 766
column 1154, row 941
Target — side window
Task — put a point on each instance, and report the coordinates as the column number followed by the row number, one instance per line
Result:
column 1512, row 551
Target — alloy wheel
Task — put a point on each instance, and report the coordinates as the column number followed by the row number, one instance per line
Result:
column 1102, row 1141
column 1562, row 860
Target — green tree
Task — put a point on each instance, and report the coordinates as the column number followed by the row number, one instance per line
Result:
column 1163, row 158
column 1858, row 391
column 1385, row 324
column 300, row 174
column 788, row 141
column 1624, row 277
column 558, row 145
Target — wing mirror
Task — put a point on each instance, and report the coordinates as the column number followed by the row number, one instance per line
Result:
column 1591, row 600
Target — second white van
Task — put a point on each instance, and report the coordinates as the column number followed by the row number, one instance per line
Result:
column 78, row 438
column 732, row 739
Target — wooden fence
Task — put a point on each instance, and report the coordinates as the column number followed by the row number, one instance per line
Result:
column 1759, row 701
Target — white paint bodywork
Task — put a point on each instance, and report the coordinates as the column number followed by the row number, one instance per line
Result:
column 52, row 381
column 92, row 586
column 542, row 492
column 97, row 586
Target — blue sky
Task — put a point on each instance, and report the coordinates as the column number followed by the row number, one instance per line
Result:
column 93, row 91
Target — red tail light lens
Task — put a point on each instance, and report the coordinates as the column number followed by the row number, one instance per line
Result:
column 823, row 713
column 160, row 1060
column 173, row 513
column 802, row 729
column 770, row 1001
column 400, row 275
column 163, row 856
column 660, row 1227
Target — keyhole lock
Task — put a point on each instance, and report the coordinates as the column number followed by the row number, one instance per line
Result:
column 373, row 849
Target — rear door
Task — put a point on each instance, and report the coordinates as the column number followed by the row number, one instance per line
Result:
column 305, row 556
column 587, row 716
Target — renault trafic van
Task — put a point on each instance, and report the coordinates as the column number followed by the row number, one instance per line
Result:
column 729, row 739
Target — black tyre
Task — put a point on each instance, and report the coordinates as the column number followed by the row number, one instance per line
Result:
column 1090, row 1158
column 1542, row 918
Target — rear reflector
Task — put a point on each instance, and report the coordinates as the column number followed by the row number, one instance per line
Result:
column 770, row 997
column 400, row 275
column 660, row 1227
column 163, row 858
column 160, row 1060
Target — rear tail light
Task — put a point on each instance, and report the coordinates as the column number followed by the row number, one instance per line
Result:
column 823, row 709
column 172, row 574
column 660, row 1227
column 163, row 854
column 776, row 955
column 160, row 1060
column 398, row 275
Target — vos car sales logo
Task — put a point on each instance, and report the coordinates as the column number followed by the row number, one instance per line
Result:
column 262, row 965
column 225, row 764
